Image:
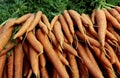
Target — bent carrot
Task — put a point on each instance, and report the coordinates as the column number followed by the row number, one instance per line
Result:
column 24, row 27
column 51, row 54
column 22, row 18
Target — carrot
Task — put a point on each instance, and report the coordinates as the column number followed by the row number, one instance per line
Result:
column 2, row 64
column 117, row 8
column 58, row 32
column 65, row 29
column 84, row 20
column 29, row 73
column 102, row 25
column 51, row 54
column 73, row 65
column 34, row 42
column 53, row 21
column 10, row 66
column 24, row 27
column 5, row 72
column 91, row 67
column 110, row 73
column 43, row 27
column 8, row 46
column 117, row 65
column 4, row 38
column 112, row 19
column 69, row 21
column 19, row 55
column 115, row 13
column 46, row 21
column 93, row 16
column 44, row 73
column 55, row 74
column 110, row 36
column 34, row 61
column 22, row 18
column 35, row 21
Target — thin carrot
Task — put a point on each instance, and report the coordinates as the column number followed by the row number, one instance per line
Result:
column 19, row 55
column 73, row 65
column 111, row 36
column 117, row 8
column 42, row 60
column 69, row 22
column 58, row 32
column 51, row 54
column 53, row 21
column 26, row 49
column 5, row 72
column 35, row 21
column 10, row 66
column 34, row 42
column 34, row 61
column 4, row 38
column 66, row 29
column 44, row 73
column 93, row 16
column 22, row 18
column 24, row 27
column 29, row 73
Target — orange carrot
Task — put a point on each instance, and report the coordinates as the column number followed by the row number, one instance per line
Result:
column 26, row 49
column 112, row 19
column 35, row 21
column 65, row 29
column 24, row 27
column 44, row 73
column 110, row 36
column 58, row 32
column 53, row 21
column 46, row 21
column 42, row 60
column 29, row 73
column 117, row 8
column 4, row 38
column 10, row 66
column 22, row 18
column 69, row 21
column 51, row 54
column 34, row 42
column 93, row 16
column 34, row 61
column 102, row 25
column 19, row 55
column 74, row 66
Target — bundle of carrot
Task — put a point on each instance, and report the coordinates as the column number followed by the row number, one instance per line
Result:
column 72, row 45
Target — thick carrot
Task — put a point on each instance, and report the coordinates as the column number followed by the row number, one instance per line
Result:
column 69, row 21
column 10, row 66
column 65, row 28
column 112, row 19
column 24, row 27
column 53, row 21
column 34, row 61
column 51, row 54
column 34, row 42
column 46, row 21
column 22, row 18
column 44, row 73
column 102, row 25
column 18, row 64
column 35, row 21
column 4, row 38
column 117, row 8
column 58, row 32
column 73, row 65
column 84, row 20
column 43, row 27
column 91, row 67
column 115, row 13
column 2, row 64
column 110, row 73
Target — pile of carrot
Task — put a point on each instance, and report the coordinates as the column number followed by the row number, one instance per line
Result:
column 71, row 45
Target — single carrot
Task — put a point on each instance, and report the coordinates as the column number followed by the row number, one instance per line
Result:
column 4, row 38
column 51, row 54
column 43, row 27
column 22, row 18
column 117, row 8
column 42, row 60
column 91, row 67
column 10, row 66
column 26, row 49
column 35, row 21
column 115, row 13
column 24, row 27
column 18, row 64
column 34, row 42
column 93, row 16
column 44, row 73
column 102, row 26
column 73, row 65
column 58, row 32
column 46, row 21
column 5, row 72
column 111, row 36
column 29, row 73
column 69, row 22
column 65, row 28
column 53, row 21
column 112, row 19
column 34, row 61
column 2, row 64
